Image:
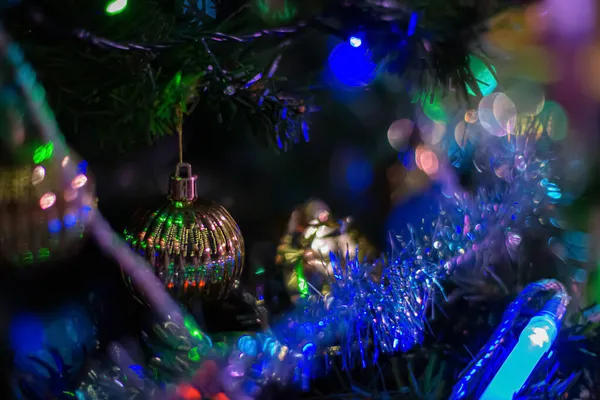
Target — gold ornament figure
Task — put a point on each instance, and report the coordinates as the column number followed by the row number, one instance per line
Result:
column 304, row 250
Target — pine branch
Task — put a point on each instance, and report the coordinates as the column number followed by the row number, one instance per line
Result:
column 110, row 77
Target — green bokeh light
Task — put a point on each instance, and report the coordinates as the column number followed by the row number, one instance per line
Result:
column 194, row 354
column 302, row 284
column 434, row 109
column 116, row 7
column 284, row 13
column 43, row 153
column 486, row 80
column 557, row 121
column 194, row 330
column 44, row 253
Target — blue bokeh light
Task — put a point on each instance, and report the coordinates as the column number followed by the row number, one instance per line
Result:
column 408, row 159
column 82, row 167
column 351, row 63
column 69, row 220
column 207, row 7
column 359, row 175
column 26, row 336
column 309, row 349
column 67, row 331
column 248, row 345
column 54, row 225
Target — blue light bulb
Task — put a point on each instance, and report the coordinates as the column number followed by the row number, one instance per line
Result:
column 535, row 341
column 351, row 63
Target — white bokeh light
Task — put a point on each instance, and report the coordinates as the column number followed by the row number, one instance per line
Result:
column 399, row 133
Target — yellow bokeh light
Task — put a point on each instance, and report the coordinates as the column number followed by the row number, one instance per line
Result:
column 528, row 125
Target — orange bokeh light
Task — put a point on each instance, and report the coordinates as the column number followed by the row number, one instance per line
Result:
column 427, row 160
column 188, row 392
column 471, row 116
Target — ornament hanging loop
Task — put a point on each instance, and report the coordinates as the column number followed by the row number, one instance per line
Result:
column 179, row 113
column 183, row 184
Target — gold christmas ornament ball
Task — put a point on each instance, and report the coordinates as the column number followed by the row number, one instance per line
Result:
column 193, row 245
column 44, row 207
column 47, row 196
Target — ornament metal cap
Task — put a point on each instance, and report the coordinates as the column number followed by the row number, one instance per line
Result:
column 183, row 185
